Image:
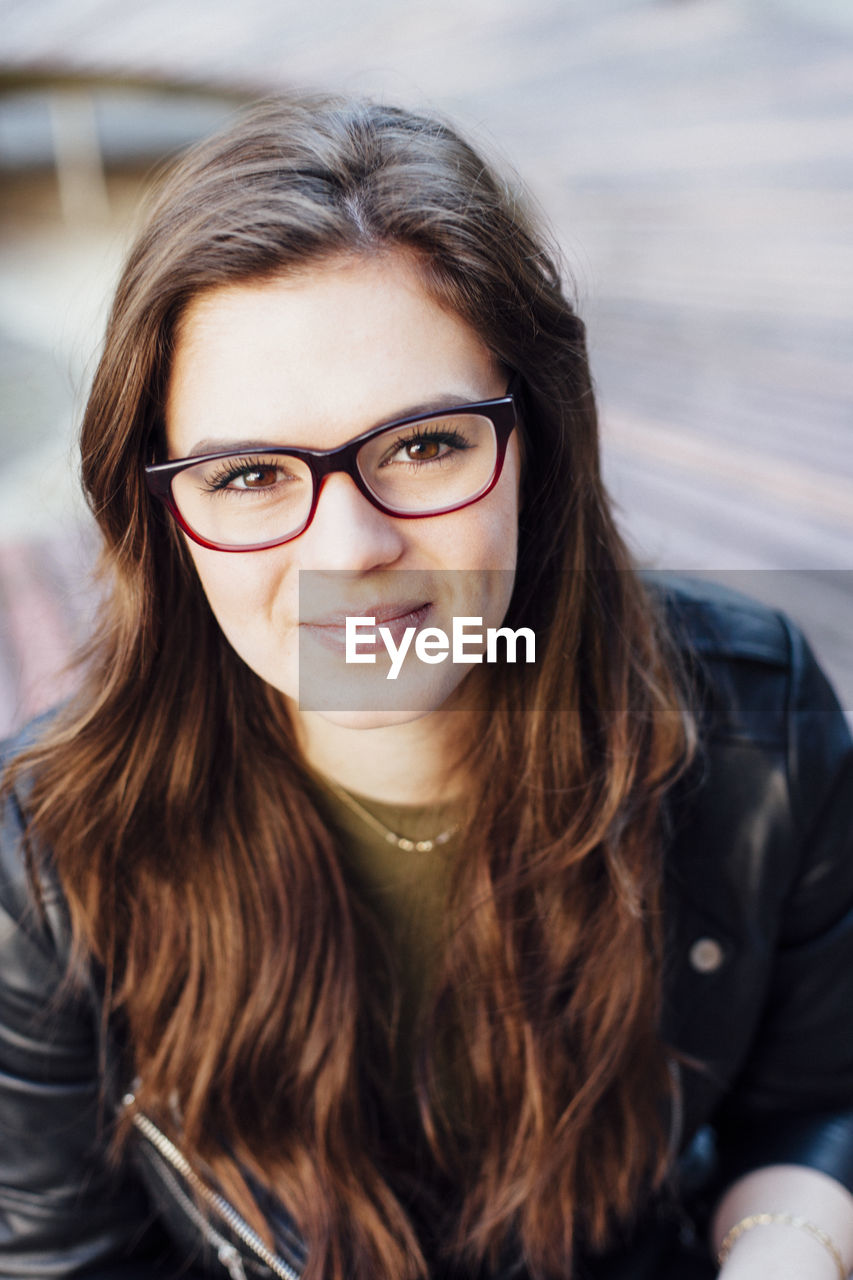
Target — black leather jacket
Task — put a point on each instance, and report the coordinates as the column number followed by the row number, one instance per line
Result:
column 758, row 983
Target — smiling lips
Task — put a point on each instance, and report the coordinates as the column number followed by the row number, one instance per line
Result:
column 330, row 631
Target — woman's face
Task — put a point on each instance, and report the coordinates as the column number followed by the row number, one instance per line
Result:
column 314, row 359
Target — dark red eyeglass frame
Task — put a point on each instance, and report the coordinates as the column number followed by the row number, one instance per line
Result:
column 501, row 412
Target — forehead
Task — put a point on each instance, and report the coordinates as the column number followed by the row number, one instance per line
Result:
column 318, row 356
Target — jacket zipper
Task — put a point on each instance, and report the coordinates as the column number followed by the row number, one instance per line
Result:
column 227, row 1253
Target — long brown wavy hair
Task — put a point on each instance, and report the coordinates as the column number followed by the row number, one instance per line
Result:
column 186, row 834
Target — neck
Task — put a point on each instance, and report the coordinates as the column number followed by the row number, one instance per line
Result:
column 420, row 762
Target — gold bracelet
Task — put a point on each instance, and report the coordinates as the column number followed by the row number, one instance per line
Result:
column 784, row 1219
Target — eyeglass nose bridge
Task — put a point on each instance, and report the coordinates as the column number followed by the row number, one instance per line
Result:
column 329, row 462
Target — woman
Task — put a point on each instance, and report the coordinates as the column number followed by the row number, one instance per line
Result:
column 533, row 969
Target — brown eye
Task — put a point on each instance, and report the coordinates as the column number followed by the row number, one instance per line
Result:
column 249, row 475
column 423, row 450
column 442, row 443
column 258, row 478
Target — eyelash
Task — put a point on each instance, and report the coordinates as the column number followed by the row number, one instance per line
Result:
column 440, row 434
column 230, row 470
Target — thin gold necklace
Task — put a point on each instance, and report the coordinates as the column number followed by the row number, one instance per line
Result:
column 392, row 837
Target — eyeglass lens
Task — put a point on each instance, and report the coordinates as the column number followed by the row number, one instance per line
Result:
column 423, row 467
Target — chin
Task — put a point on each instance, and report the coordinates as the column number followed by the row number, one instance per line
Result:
column 359, row 720
column 362, row 697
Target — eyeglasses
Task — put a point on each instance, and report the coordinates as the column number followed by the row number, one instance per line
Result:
column 425, row 465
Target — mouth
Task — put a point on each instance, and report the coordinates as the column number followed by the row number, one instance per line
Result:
column 330, row 630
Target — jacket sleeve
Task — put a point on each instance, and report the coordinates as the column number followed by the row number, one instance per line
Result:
column 792, row 1103
column 64, row 1209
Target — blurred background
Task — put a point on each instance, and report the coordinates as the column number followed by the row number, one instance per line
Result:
column 695, row 158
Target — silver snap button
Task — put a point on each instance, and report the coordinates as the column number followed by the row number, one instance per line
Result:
column 706, row 955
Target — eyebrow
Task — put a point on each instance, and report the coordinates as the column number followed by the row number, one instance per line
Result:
column 222, row 445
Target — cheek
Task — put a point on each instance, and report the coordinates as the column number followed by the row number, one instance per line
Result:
column 252, row 600
column 485, row 535
column 513, row 472
column 482, row 541
column 500, row 512
column 245, row 592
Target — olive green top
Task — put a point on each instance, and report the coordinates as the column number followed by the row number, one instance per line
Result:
column 406, row 892
column 405, row 889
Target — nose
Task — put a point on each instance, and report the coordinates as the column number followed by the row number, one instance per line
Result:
column 348, row 532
